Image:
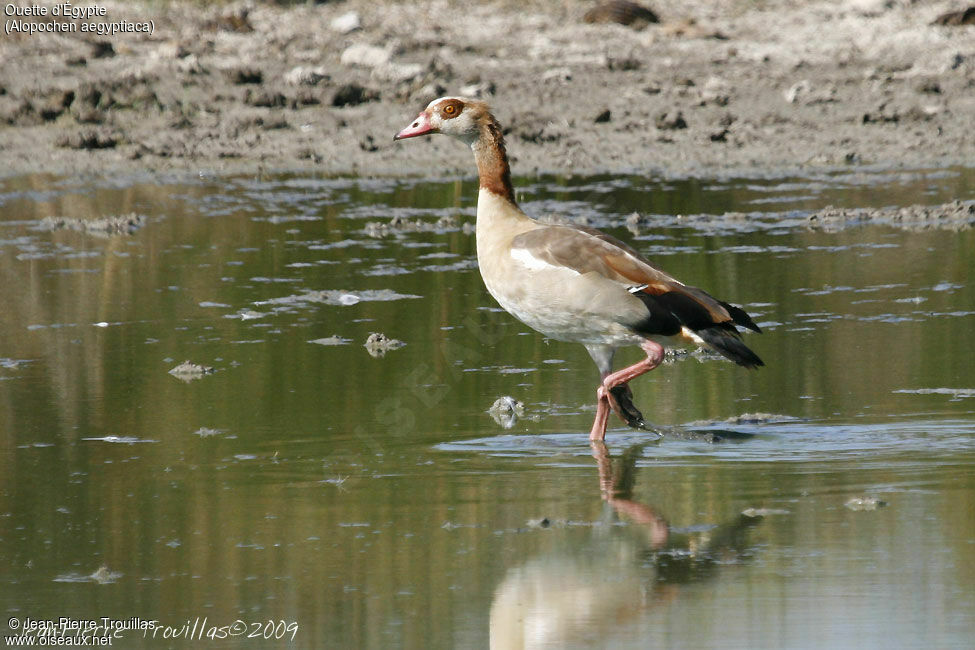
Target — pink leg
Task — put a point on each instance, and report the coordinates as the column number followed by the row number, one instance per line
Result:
column 598, row 431
column 655, row 355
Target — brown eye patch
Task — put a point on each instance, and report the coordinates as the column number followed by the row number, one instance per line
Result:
column 451, row 108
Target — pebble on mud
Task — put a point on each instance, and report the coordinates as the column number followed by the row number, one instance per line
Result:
column 244, row 75
column 956, row 18
column 188, row 371
column 346, row 23
column 378, row 344
column 88, row 139
column 670, row 121
column 306, row 76
column 353, row 94
column 623, row 12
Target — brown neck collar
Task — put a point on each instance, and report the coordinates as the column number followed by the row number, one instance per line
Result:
column 492, row 161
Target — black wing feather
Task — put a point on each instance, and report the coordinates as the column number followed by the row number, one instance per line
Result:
column 671, row 311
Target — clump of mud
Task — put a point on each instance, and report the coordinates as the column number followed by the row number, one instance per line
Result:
column 188, row 371
column 123, row 224
column 399, row 225
column 864, row 503
column 506, row 411
column 378, row 344
column 956, row 215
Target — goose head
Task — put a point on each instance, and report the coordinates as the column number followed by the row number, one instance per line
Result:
column 456, row 116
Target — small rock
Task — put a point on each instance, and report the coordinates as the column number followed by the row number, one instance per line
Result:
column 87, row 139
column 478, row 90
column 604, row 116
column 688, row 28
column 57, row 103
column 719, row 136
column 346, row 23
column 428, row 92
column 306, row 76
column 304, row 97
column 561, row 75
column 102, row 49
column 864, row 503
column 956, row 18
column 104, row 576
column 244, row 75
column 507, row 404
column 884, row 114
column 716, row 91
column 623, row 64
column 89, row 116
column 634, row 223
column 353, row 94
column 172, row 50
column 399, row 73
column 188, row 371
column 233, row 20
column 378, row 344
column 265, row 99
column 88, row 94
column 796, row 90
column 670, row 120
column 506, row 410
column 21, row 114
column 622, row 12
column 190, row 65
column 870, row 7
column 367, row 56
column 368, row 144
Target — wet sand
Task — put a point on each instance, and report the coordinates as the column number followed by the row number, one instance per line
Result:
column 714, row 89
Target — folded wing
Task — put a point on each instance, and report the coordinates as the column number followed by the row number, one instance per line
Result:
column 673, row 308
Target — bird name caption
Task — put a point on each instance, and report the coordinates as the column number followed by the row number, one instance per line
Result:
column 66, row 18
column 103, row 631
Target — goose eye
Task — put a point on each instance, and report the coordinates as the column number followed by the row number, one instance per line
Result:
column 449, row 110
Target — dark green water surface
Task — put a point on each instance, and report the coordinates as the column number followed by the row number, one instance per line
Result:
column 317, row 493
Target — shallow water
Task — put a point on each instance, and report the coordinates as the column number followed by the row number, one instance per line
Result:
column 360, row 501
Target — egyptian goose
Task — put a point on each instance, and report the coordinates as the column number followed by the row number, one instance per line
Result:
column 573, row 283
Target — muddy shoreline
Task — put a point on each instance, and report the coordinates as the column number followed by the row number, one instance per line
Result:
column 715, row 89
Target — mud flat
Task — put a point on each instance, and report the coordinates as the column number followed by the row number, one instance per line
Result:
column 713, row 89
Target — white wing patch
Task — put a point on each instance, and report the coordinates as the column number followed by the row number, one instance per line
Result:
column 533, row 263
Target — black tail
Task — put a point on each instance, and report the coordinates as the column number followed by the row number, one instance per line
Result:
column 741, row 317
column 724, row 338
column 689, row 307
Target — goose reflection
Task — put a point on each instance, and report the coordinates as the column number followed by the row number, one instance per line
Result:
column 579, row 595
